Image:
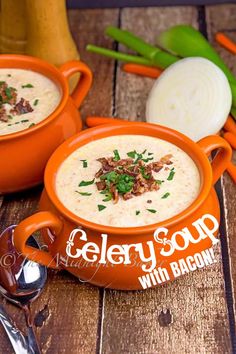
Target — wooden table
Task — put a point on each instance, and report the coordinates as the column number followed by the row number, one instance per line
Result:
column 78, row 318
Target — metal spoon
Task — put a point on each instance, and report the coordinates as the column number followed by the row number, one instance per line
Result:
column 21, row 280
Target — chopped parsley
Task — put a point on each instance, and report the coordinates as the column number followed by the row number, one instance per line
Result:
column 158, row 181
column 27, row 86
column 166, row 195
column 101, row 207
column 85, row 163
column 84, row 193
column 24, row 121
column 171, row 175
column 137, row 212
column 125, row 183
column 116, row 155
column 142, row 169
column 132, row 154
column 8, row 92
column 9, row 117
column 9, row 75
column 36, row 102
column 152, row 210
column 86, row 183
column 31, row 125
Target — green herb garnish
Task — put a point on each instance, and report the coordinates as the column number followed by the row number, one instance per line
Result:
column 9, row 117
column 171, row 175
column 86, row 183
column 125, row 183
column 110, row 177
column 9, row 75
column 142, row 169
column 31, row 125
column 101, row 207
column 8, row 93
column 166, row 195
column 2, row 83
column 85, row 163
column 27, row 86
column 158, row 181
column 116, row 155
column 150, row 153
column 152, row 210
column 137, row 212
column 131, row 154
column 144, row 151
column 36, row 102
column 24, row 120
column 147, row 159
column 84, row 193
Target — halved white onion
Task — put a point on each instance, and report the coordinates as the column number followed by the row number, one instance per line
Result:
column 192, row 96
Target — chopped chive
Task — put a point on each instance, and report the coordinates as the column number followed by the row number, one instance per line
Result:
column 144, row 152
column 36, row 102
column 86, row 183
column 152, row 210
column 107, row 199
column 131, row 154
column 137, row 212
column 27, row 86
column 9, row 125
column 166, row 195
column 31, row 125
column 171, row 175
column 101, row 207
column 84, row 193
column 116, row 155
column 158, row 181
column 9, row 117
column 24, row 120
column 17, row 123
column 150, row 153
column 85, row 163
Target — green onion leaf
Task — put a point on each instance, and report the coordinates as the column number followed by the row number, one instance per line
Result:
column 36, row 102
column 85, row 163
column 101, row 207
column 27, row 86
column 171, row 175
column 86, row 183
column 152, row 210
column 116, row 155
column 137, row 212
column 158, row 181
column 84, row 193
column 24, row 121
column 166, row 195
column 31, row 125
column 8, row 93
column 131, row 154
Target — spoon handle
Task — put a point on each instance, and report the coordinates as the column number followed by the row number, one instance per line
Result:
column 16, row 337
column 32, row 340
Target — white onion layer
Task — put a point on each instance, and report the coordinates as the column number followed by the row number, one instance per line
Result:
column 192, row 96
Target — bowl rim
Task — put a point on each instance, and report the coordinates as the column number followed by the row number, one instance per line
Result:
column 91, row 134
column 18, row 61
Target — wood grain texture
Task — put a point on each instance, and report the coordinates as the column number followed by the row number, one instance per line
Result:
column 67, row 312
column 223, row 18
column 190, row 314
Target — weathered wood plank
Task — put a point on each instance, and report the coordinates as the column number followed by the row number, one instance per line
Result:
column 223, row 18
column 137, row 322
column 67, row 311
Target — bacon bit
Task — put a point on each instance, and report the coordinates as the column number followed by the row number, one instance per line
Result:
column 22, row 107
column 99, row 173
column 3, row 114
column 166, row 159
column 115, row 194
column 101, row 185
column 127, row 196
column 142, row 173
column 5, row 95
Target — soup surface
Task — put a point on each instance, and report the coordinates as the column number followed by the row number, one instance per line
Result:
column 26, row 98
column 127, row 181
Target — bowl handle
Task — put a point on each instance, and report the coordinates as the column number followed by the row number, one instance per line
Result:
column 85, row 81
column 223, row 157
column 30, row 225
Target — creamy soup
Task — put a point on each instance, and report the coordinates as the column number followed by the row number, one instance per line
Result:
column 26, row 98
column 127, row 180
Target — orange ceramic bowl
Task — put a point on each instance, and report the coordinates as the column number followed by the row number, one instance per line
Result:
column 58, row 223
column 24, row 154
